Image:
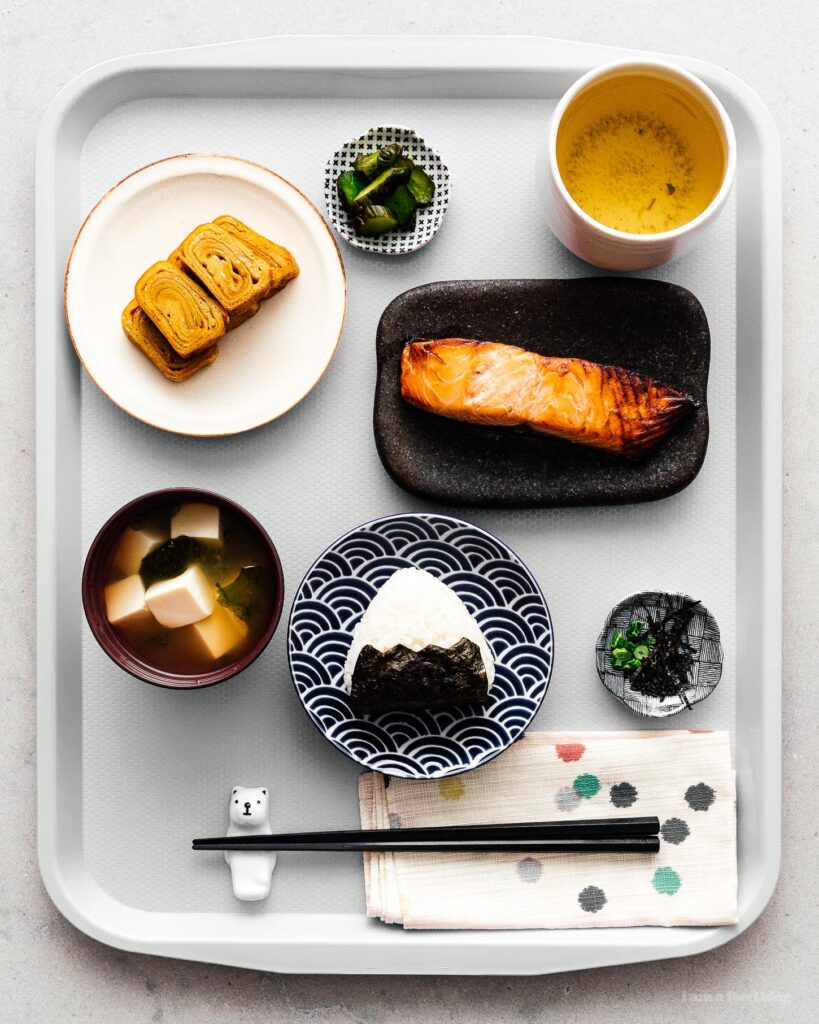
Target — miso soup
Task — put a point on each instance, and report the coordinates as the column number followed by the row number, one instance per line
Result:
column 190, row 588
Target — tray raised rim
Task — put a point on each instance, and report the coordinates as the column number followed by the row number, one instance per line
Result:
column 349, row 943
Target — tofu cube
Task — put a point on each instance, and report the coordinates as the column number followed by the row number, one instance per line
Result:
column 125, row 602
column 134, row 545
column 220, row 632
column 183, row 600
column 200, row 521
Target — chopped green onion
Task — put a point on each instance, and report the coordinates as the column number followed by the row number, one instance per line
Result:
column 630, row 649
column 635, row 629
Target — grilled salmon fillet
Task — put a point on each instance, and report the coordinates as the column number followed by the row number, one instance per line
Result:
column 502, row 385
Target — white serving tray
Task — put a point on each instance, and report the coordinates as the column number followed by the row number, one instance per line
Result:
column 128, row 774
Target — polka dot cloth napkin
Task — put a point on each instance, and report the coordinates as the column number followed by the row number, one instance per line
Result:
column 684, row 778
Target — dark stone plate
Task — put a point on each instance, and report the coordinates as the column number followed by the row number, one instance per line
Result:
column 651, row 327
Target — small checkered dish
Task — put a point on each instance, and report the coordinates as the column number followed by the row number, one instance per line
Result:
column 428, row 218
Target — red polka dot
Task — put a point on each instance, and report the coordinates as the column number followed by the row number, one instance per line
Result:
column 570, row 751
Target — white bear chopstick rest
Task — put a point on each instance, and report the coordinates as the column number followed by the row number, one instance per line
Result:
column 250, row 871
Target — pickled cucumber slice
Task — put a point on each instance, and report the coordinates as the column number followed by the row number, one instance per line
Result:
column 350, row 184
column 402, row 205
column 421, row 186
column 374, row 220
column 383, row 185
column 373, row 164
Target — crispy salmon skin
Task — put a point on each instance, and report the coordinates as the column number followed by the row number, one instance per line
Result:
column 496, row 384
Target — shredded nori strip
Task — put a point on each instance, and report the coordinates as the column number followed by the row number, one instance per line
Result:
column 405, row 680
column 667, row 670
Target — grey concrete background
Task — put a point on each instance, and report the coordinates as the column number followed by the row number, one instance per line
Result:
column 51, row 972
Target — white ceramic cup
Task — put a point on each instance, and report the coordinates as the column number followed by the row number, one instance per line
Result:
column 609, row 247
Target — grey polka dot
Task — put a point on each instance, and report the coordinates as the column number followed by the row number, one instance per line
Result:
column 395, row 821
column 567, row 798
column 623, row 794
column 699, row 797
column 675, row 831
column 529, row 869
column 592, row 899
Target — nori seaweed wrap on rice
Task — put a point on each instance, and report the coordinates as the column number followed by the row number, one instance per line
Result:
column 417, row 646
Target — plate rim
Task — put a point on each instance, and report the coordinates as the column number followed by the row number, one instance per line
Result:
column 396, row 774
column 106, row 196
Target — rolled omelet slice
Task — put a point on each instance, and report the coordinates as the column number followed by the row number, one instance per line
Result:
column 176, row 258
column 233, row 319
column 140, row 331
column 189, row 318
column 236, row 319
column 282, row 263
column 236, row 276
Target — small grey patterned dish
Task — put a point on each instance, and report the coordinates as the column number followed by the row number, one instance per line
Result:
column 427, row 219
column 702, row 633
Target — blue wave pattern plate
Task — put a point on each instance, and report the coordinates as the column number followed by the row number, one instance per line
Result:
column 497, row 588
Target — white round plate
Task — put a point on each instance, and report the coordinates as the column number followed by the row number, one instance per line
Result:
column 266, row 365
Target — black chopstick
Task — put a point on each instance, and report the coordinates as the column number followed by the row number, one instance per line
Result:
column 623, row 835
column 635, row 844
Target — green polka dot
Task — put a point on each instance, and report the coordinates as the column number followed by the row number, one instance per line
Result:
column 666, row 881
column 587, row 785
